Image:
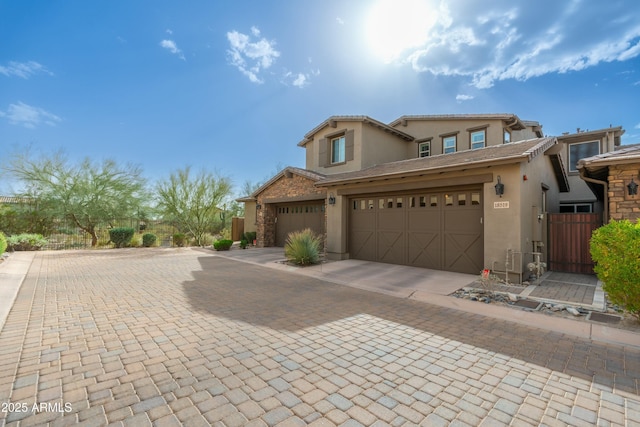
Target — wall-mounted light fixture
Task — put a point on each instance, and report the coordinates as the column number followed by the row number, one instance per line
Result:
column 632, row 188
column 499, row 187
column 258, row 206
column 332, row 199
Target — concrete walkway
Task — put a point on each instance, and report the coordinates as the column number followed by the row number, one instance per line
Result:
column 164, row 337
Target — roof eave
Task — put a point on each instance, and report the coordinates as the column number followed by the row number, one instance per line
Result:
column 429, row 171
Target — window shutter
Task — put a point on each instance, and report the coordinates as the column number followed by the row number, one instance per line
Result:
column 324, row 153
column 348, row 145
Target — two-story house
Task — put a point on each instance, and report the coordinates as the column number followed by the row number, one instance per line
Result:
column 450, row 192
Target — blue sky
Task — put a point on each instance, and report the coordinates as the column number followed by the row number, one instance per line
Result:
column 233, row 87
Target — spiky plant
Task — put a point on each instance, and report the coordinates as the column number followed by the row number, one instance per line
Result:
column 303, row 247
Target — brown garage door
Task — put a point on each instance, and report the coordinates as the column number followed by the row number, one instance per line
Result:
column 438, row 230
column 298, row 216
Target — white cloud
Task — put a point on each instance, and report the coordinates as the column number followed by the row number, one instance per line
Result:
column 340, row 20
column 23, row 69
column 250, row 54
column 637, row 126
column 28, row 116
column 522, row 40
column 171, row 46
column 464, row 97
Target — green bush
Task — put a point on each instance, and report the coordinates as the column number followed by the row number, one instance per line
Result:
column 303, row 247
column 615, row 248
column 243, row 244
column 26, row 242
column 121, row 236
column 250, row 236
column 149, row 239
column 3, row 243
column 179, row 239
column 135, row 242
column 222, row 244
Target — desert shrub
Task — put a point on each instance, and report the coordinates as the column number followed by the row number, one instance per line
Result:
column 303, row 247
column 135, row 242
column 149, row 239
column 3, row 243
column 250, row 236
column 243, row 243
column 121, row 236
column 179, row 239
column 225, row 233
column 615, row 248
column 26, row 242
column 222, row 244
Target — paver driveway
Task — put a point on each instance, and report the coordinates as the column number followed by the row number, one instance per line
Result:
column 179, row 336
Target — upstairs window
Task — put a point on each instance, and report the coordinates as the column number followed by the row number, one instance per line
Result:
column 507, row 136
column 582, row 150
column 478, row 139
column 449, row 144
column 338, row 150
column 424, row 149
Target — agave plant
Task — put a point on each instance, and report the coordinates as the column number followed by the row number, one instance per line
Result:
column 303, row 247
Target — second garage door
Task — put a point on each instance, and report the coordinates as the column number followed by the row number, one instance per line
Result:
column 438, row 230
column 298, row 216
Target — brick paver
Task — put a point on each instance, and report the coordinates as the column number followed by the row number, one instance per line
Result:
column 178, row 336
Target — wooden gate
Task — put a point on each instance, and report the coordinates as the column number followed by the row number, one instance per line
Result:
column 569, row 235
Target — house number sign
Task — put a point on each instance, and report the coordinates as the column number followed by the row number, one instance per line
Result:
column 500, row 205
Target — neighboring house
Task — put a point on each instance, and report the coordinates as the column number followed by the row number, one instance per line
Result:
column 580, row 145
column 614, row 178
column 424, row 190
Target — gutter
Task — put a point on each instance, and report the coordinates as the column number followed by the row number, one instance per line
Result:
column 605, row 184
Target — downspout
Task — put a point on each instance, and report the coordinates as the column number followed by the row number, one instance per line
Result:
column 605, row 184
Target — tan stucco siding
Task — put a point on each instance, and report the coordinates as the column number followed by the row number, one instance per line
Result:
column 249, row 216
column 502, row 225
column 313, row 149
column 436, row 129
column 381, row 147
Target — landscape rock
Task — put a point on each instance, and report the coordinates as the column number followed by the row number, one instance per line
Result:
column 573, row 311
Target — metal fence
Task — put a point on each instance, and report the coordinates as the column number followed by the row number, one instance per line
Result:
column 67, row 235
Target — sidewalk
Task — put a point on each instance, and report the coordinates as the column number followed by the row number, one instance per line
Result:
column 12, row 273
column 434, row 287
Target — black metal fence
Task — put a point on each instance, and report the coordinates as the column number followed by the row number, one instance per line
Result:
column 67, row 235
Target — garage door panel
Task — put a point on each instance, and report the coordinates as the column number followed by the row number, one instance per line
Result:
column 363, row 246
column 439, row 230
column 295, row 217
column 424, row 250
column 463, row 252
column 391, row 246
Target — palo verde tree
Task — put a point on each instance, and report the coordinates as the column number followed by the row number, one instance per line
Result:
column 89, row 193
column 193, row 202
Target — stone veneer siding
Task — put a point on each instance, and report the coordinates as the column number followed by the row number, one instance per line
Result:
column 294, row 186
column 621, row 205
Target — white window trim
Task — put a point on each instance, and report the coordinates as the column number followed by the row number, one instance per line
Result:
column 484, row 139
column 455, row 144
column 428, row 151
column 342, row 148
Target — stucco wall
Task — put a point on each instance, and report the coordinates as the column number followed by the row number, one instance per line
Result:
column 294, row 187
column 313, row 148
column 421, row 129
column 382, row 147
column 621, row 204
column 502, row 226
column 249, row 216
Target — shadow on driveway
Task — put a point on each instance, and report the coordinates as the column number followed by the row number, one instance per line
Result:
column 291, row 302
